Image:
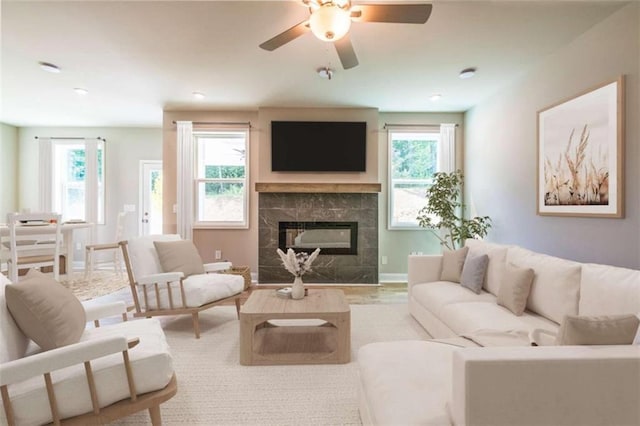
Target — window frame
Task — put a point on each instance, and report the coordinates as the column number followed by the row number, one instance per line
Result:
column 203, row 224
column 406, row 226
column 94, row 198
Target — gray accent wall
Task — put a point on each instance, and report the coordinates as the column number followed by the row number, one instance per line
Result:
column 500, row 154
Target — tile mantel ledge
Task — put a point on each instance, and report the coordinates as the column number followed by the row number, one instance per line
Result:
column 310, row 187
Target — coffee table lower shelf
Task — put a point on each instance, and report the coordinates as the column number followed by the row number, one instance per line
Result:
column 297, row 344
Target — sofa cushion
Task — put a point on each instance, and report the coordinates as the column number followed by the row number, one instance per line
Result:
column 46, row 311
column 473, row 272
column 179, row 256
column 470, row 317
column 14, row 342
column 199, row 290
column 433, row 296
column 515, row 288
column 399, row 384
column 556, row 284
column 603, row 330
column 150, row 361
column 143, row 254
column 609, row 290
column 452, row 263
column 497, row 257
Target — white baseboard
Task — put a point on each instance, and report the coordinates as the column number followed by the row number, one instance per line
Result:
column 393, row 278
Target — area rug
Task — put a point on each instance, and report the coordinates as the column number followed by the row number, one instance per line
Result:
column 214, row 389
column 102, row 283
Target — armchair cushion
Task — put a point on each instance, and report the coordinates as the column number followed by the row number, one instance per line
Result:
column 46, row 311
column 179, row 256
column 143, row 255
column 151, row 364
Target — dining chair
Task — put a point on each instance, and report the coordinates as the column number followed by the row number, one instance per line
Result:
column 91, row 262
column 34, row 242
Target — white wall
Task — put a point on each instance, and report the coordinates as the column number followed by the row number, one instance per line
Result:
column 8, row 170
column 396, row 245
column 125, row 147
column 501, row 148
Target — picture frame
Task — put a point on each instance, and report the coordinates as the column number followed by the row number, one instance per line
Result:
column 580, row 154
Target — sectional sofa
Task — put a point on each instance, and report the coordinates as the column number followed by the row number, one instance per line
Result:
column 480, row 368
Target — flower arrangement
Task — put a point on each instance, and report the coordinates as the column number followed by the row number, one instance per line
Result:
column 298, row 263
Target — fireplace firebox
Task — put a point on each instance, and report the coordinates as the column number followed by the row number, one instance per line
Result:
column 330, row 237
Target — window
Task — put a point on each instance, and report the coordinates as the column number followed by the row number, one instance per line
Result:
column 77, row 179
column 221, row 179
column 414, row 156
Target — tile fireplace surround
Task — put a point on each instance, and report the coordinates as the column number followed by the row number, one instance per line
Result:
column 308, row 203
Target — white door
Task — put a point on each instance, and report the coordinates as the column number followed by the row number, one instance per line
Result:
column 150, row 215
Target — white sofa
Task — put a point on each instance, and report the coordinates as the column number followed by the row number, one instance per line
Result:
column 453, row 381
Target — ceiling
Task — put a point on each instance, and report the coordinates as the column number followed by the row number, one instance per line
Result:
column 138, row 58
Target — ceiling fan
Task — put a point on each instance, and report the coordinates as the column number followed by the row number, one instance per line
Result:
column 330, row 21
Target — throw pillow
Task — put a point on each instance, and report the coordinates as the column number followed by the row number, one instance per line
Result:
column 452, row 263
column 45, row 311
column 515, row 288
column 601, row 330
column 473, row 272
column 179, row 256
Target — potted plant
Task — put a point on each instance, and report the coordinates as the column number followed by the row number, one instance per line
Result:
column 444, row 213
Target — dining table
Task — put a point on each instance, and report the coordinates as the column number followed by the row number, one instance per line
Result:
column 68, row 229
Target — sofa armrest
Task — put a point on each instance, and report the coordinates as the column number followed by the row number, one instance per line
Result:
column 424, row 269
column 104, row 310
column 165, row 277
column 577, row 385
column 55, row 359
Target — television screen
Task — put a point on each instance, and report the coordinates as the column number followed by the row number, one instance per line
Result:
column 318, row 146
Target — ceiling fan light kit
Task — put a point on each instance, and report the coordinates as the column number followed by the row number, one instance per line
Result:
column 330, row 20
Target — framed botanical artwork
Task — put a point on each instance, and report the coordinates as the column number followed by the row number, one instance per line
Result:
column 581, row 154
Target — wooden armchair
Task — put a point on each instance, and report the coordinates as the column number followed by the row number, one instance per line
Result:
column 156, row 292
column 126, row 367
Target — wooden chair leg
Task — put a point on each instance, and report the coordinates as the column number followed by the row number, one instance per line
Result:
column 154, row 413
column 196, row 324
column 238, row 307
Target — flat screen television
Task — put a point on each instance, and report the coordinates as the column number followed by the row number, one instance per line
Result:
column 318, row 146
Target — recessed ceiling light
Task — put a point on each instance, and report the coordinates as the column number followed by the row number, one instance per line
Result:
column 467, row 73
column 81, row 91
column 436, row 97
column 198, row 95
column 49, row 67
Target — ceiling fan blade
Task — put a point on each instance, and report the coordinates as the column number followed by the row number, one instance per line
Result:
column 346, row 53
column 398, row 13
column 286, row 36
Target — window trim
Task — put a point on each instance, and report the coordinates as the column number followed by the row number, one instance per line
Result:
column 91, row 196
column 199, row 224
column 404, row 226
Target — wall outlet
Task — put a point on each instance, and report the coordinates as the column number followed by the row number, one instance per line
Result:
column 175, row 208
column 384, row 260
column 218, row 254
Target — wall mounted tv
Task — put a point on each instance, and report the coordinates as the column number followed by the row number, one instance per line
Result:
column 318, row 146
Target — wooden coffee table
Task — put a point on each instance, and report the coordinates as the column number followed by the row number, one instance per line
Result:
column 264, row 343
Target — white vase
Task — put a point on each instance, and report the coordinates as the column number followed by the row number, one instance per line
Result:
column 297, row 290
